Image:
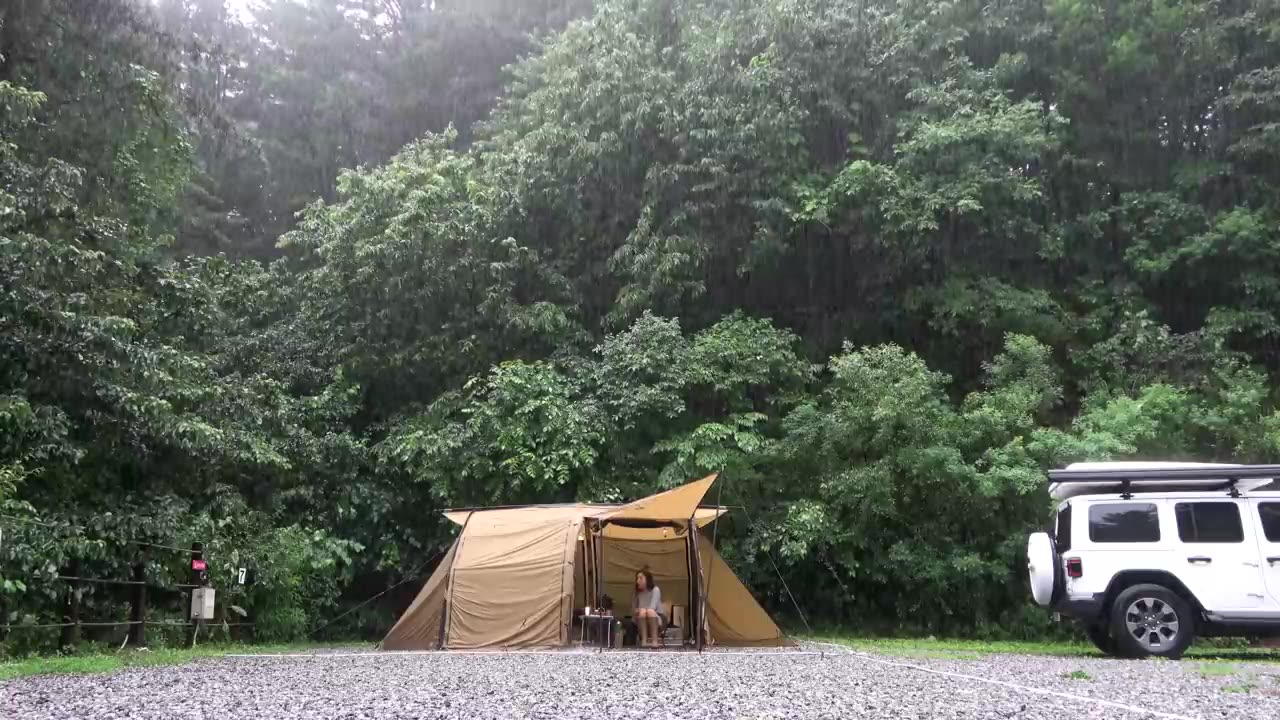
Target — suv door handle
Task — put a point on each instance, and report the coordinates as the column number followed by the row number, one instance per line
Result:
column 1202, row 560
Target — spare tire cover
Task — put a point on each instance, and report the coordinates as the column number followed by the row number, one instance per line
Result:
column 1042, row 559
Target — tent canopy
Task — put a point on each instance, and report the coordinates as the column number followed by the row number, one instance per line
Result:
column 673, row 506
column 514, row 574
column 678, row 504
column 704, row 515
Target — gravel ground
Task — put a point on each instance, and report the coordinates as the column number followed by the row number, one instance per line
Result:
column 645, row 685
column 1188, row 687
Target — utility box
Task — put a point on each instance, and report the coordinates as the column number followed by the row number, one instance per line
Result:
column 202, row 603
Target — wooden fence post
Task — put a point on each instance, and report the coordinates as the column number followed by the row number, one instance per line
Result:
column 138, row 605
column 197, row 578
column 189, row 632
column 71, row 632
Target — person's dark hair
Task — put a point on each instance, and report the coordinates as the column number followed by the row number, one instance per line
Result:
column 648, row 578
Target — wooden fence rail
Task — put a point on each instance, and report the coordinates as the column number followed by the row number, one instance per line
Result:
column 137, row 622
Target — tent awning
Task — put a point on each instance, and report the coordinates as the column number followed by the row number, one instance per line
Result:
column 677, row 504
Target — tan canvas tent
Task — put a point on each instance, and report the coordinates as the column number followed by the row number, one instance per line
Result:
column 514, row 575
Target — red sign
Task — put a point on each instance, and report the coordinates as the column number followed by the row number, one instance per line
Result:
column 197, row 565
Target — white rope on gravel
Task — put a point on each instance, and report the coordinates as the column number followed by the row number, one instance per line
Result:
column 1015, row 686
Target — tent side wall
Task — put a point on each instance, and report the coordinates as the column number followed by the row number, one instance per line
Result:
column 513, row 582
column 734, row 617
column 419, row 627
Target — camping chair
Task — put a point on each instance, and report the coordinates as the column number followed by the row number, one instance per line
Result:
column 670, row 625
column 672, row 628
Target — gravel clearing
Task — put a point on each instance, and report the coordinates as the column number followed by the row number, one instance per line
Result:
column 1189, row 687
column 765, row 684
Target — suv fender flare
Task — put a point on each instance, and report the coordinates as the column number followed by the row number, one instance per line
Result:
column 1129, row 578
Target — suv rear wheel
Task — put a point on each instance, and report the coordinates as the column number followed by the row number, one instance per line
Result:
column 1151, row 620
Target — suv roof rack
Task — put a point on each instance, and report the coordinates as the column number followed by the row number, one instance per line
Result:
column 1128, row 478
column 1170, row 474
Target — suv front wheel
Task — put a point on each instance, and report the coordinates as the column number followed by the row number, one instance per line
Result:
column 1151, row 620
column 1100, row 636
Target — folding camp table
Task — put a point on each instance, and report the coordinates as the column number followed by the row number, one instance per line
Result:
column 598, row 629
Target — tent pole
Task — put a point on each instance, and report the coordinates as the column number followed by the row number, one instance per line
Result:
column 693, row 594
column 597, row 558
column 702, row 609
column 448, row 603
column 566, row 557
column 700, row 639
column 588, row 572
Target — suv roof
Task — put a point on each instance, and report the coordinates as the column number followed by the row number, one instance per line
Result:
column 1124, row 478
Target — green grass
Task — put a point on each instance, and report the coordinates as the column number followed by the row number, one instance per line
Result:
column 1218, row 669
column 107, row 662
column 959, row 649
column 1205, row 653
column 1077, row 675
column 73, row 664
column 1244, row 688
column 1234, row 655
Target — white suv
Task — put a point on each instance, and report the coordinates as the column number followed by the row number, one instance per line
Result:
column 1146, row 556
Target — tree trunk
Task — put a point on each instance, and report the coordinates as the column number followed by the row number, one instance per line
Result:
column 138, row 606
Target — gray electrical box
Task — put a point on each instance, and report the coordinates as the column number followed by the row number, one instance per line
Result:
column 202, row 603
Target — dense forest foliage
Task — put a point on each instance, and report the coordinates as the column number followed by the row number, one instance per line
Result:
column 290, row 281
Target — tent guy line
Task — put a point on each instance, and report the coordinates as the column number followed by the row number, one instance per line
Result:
column 1014, row 686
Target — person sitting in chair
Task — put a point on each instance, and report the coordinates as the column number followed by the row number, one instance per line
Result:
column 647, row 608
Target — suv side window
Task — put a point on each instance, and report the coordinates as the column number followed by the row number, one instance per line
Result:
column 1124, row 523
column 1209, row 522
column 1063, row 533
column 1269, row 514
